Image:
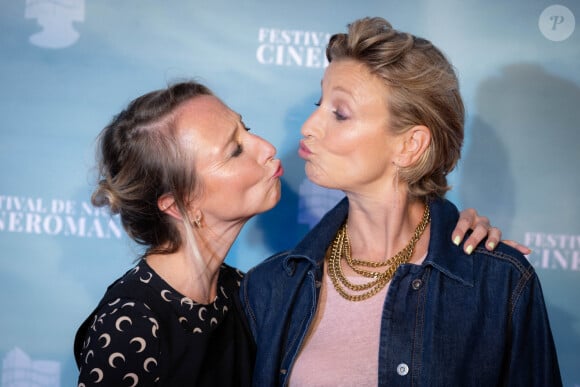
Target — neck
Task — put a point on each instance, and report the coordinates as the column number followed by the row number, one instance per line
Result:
column 378, row 229
column 193, row 270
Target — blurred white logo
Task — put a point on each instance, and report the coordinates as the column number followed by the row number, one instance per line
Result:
column 292, row 48
column 557, row 23
column 56, row 18
column 19, row 369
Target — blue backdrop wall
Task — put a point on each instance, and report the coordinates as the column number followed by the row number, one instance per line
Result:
column 67, row 66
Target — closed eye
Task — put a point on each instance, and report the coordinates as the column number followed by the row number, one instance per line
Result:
column 238, row 151
column 339, row 116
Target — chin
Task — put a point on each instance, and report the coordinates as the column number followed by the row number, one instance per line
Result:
column 271, row 201
column 320, row 182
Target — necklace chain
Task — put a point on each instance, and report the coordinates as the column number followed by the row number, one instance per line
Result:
column 379, row 279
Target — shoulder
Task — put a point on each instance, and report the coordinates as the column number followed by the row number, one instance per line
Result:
column 261, row 280
column 505, row 257
column 502, row 263
column 269, row 268
column 232, row 272
column 122, row 315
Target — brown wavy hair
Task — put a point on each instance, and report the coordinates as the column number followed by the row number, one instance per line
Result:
column 139, row 160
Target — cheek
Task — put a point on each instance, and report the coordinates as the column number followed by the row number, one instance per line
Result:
column 242, row 182
column 340, row 143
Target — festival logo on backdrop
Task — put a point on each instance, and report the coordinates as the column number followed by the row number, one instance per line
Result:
column 292, row 48
column 39, row 216
column 56, row 18
column 553, row 251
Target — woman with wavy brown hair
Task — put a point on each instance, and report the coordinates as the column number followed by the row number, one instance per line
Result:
column 184, row 174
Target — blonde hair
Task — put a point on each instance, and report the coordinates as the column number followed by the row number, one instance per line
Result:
column 422, row 90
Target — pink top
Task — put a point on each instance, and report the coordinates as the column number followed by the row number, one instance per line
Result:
column 342, row 344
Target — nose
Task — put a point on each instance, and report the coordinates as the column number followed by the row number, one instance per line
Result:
column 266, row 151
column 311, row 125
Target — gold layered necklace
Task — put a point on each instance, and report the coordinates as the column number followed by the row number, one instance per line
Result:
column 379, row 279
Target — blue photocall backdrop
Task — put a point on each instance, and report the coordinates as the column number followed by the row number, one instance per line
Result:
column 67, row 66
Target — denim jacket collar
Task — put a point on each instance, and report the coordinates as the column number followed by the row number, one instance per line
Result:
column 442, row 253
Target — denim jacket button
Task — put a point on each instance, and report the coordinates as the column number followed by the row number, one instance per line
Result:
column 416, row 284
column 402, row 369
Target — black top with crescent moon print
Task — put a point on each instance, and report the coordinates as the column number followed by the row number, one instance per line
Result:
column 145, row 333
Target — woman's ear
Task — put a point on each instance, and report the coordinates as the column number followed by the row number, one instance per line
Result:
column 417, row 140
column 166, row 204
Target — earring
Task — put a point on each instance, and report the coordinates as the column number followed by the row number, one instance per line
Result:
column 197, row 221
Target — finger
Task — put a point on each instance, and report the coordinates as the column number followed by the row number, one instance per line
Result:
column 466, row 219
column 521, row 248
column 481, row 231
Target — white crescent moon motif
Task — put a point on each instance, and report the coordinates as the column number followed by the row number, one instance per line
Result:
column 182, row 319
column 155, row 326
column 99, row 374
column 163, row 292
column 90, row 353
column 146, row 280
column 225, row 309
column 128, row 304
column 213, row 321
column 114, row 302
column 94, row 321
column 197, row 330
column 114, row 356
column 107, row 339
column 133, row 377
column 188, row 301
column 141, row 342
column 224, row 292
column 200, row 313
column 147, row 361
column 120, row 321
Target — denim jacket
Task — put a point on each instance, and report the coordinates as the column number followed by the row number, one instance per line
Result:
column 455, row 320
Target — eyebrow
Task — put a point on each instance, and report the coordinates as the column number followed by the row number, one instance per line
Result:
column 343, row 90
column 338, row 88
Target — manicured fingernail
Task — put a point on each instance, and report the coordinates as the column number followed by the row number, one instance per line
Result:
column 469, row 249
column 491, row 245
column 457, row 240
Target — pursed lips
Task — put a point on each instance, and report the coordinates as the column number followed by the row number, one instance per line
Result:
column 279, row 171
column 303, row 150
